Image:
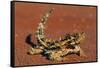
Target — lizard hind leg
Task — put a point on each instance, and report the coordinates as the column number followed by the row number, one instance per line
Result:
column 34, row 51
column 55, row 56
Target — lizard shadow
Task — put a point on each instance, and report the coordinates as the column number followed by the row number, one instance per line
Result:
column 29, row 41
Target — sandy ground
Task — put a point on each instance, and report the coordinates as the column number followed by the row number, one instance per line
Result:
column 64, row 19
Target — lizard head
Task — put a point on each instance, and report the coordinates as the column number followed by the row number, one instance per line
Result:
column 79, row 37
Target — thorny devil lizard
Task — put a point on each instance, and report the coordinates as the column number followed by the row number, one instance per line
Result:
column 56, row 50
